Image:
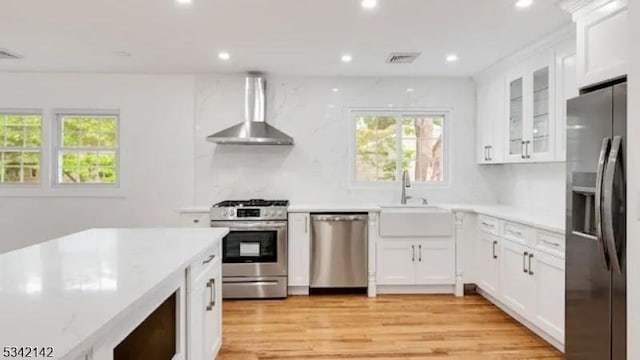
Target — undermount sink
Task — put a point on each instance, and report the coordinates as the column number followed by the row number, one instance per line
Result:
column 415, row 221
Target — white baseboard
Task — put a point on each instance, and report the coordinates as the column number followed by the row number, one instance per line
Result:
column 415, row 289
column 298, row 290
column 541, row 333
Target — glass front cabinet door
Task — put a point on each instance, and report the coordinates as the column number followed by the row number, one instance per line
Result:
column 530, row 111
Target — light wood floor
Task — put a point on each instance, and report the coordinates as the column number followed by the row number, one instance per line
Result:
column 387, row 327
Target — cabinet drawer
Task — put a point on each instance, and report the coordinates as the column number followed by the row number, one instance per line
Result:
column 550, row 241
column 488, row 225
column 517, row 232
column 194, row 219
column 204, row 261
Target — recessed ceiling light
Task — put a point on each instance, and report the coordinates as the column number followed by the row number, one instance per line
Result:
column 410, row 90
column 223, row 55
column 369, row 4
column 346, row 58
column 452, row 58
column 335, row 89
column 183, row 1
column 522, row 4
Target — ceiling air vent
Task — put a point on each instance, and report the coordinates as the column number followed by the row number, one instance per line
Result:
column 6, row 54
column 402, row 58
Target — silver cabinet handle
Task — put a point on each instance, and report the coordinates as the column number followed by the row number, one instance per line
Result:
column 494, row 249
column 530, row 257
column 210, row 285
column 195, row 221
column 489, row 152
column 211, row 257
column 514, row 232
column 486, row 153
column 604, row 151
column 213, row 296
column 613, row 164
column 524, row 262
column 526, row 149
column 420, row 253
column 522, row 151
column 487, row 224
column 413, row 253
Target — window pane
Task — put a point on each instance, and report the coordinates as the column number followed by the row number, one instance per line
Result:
column 89, row 131
column 88, row 167
column 376, row 149
column 20, row 131
column 422, row 147
column 19, row 167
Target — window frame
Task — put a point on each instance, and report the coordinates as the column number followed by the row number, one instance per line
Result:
column 41, row 149
column 398, row 113
column 57, row 148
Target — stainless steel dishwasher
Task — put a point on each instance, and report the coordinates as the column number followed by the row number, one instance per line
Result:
column 339, row 250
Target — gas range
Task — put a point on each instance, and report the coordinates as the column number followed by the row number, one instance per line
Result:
column 255, row 209
column 254, row 252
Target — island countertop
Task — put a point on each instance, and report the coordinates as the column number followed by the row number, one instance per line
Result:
column 61, row 292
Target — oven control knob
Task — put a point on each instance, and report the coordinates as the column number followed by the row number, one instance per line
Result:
column 224, row 212
column 280, row 213
column 269, row 212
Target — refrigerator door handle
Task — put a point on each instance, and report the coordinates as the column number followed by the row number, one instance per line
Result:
column 604, row 151
column 609, row 176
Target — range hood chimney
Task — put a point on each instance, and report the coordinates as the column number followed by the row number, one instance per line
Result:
column 254, row 130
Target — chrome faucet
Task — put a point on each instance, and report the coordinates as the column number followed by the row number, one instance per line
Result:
column 405, row 184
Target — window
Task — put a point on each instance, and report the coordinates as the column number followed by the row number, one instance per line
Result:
column 20, row 146
column 87, row 149
column 386, row 144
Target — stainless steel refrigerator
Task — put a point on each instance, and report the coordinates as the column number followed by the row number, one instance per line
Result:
column 596, row 225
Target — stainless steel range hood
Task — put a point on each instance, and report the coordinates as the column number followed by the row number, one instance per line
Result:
column 254, row 130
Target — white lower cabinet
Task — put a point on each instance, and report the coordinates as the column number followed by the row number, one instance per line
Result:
column 396, row 263
column 548, row 307
column 204, row 308
column 299, row 247
column 516, row 284
column 487, row 262
column 523, row 277
column 415, row 262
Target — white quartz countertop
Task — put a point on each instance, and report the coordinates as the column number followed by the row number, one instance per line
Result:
column 333, row 207
column 535, row 218
column 61, row 292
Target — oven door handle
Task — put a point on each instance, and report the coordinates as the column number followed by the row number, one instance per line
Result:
column 263, row 225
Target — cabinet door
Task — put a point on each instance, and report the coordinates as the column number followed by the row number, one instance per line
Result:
column 515, row 116
column 484, row 128
column 396, row 262
column 213, row 312
column 539, row 131
column 603, row 43
column 435, row 263
column 566, row 88
column 488, row 262
column 548, row 274
column 202, row 319
column 516, row 284
column 299, row 247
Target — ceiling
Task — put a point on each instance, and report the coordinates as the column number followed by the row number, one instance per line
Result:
column 295, row 37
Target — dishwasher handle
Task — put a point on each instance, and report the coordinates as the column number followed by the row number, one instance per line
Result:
column 339, row 217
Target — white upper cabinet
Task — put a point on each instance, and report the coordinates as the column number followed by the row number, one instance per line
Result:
column 530, row 110
column 603, row 39
column 490, row 107
column 519, row 104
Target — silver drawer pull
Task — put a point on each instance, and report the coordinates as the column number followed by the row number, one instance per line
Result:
column 211, row 257
column 550, row 243
column 513, row 232
column 487, row 224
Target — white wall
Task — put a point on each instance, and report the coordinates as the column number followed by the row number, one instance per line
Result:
column 156, row 150
column 534, row 186
column 316, row 169
column 633, row 188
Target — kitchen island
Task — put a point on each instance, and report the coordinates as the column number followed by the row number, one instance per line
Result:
column 80, row 296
